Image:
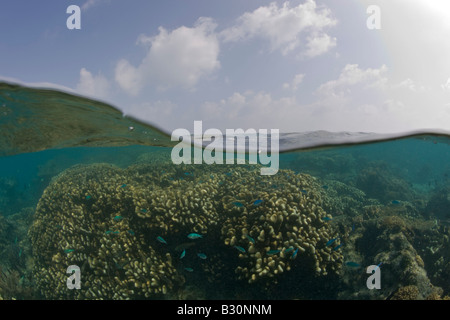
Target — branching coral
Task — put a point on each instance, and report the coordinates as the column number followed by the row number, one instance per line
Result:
column 274, row 221
column 108, row 221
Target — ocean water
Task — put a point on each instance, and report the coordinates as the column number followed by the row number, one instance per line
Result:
column 93, row 197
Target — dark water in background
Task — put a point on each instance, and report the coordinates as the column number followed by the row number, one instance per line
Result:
column 389, row 203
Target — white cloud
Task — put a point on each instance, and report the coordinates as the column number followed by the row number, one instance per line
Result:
column 90, row 3
column 371, row 100
column 410, row 85
column 128, row 77
column 250, row 110
column 286, row 27
column 446, row 86
column 160, row 110
column 229, row 108
column 93, row 86
column 351, row 76
column 298, row 79
column 319, row 44
column 179, row 58
column 359, row 99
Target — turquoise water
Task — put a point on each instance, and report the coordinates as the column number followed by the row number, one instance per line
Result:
column 109, row 200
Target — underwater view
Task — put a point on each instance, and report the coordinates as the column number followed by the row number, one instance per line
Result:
column 86, row 191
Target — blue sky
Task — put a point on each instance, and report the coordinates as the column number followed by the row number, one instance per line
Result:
column 290, row 65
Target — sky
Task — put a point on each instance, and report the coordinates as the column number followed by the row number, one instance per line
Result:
column 337, row 65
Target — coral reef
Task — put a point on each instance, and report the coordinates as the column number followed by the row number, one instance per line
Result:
column 8, row 194
column 5, row 228
column 410, row 292
column 326, row 164
column 15, row 255
column 85, row 218
column 13, row 286
column 390, row 240
column 288, row 224
column 433, row 245
column 439, row 204
column 378, row 181
column 125, row 228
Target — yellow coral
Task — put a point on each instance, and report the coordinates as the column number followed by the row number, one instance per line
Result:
column 106, row 220
column 410, row 292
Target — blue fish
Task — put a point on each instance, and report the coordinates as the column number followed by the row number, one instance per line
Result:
column 123, row 186
column 288, row 249
column 201, row 256
column 188, row 269
column 144, row 210
column 257, row 202
column 228, row 174
column 331, row 241
column 160, row 239
column 304, row 191
column 118, row 218
column 337, row 247
column 238, row 204
column 250, row 238
column 396, row 202
column 131, row 232
column 240, row 249
column 194, row 236
column 294, row 255
column 183, row 254
column 325, row 187
column 88, row 197
column 272, row 252
column 327, row 219
column 352, row 264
